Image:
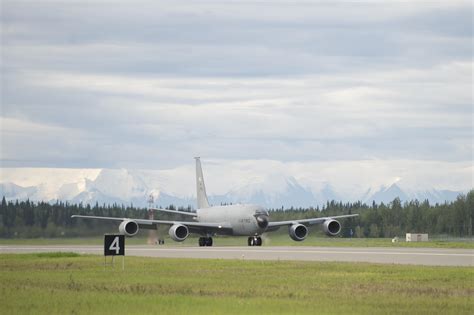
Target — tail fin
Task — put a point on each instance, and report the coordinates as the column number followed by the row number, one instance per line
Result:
column 202, row 201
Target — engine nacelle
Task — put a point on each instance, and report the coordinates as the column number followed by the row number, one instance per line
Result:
column 128, row 228
column 298, row 232
column 178, row 232
column 332, row 227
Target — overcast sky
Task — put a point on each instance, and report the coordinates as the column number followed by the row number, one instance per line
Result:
column 150, row 84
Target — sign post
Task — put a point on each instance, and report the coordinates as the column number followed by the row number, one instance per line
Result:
column 114, row 245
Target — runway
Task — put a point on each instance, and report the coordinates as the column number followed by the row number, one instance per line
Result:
column 413, row 256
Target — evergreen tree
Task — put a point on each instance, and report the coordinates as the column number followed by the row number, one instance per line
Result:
column 3, row 210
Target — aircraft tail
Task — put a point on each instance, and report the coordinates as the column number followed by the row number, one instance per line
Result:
column 202, row 201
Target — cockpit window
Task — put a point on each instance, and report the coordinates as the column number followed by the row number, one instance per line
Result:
column 261, row 211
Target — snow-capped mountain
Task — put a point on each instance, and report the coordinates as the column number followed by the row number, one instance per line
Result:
column 273, row 189
column 387, row 194
column 12, row 191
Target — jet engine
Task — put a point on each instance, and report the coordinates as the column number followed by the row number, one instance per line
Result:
column 128, row 228
column 178, row 232
column 298, row 232
column 331, row 227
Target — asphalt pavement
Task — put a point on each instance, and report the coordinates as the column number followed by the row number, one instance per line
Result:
column 413, row 256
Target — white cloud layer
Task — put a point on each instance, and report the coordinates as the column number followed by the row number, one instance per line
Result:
column 118, row 85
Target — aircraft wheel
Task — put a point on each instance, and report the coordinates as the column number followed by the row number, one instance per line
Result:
column 202, row 241
column 258, row 241
column 255, row 241
column 209, row 241
column 250, row 241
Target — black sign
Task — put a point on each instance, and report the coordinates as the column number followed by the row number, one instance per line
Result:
column 114, row 245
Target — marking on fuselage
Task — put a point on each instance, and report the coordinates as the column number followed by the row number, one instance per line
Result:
column 245, row 221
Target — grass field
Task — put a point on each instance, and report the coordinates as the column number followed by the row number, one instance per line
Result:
column 54, row 283
column 274, row 239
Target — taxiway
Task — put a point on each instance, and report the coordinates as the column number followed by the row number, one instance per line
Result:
column 414, row 256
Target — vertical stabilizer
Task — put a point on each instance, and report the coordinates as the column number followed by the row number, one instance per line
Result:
column 202, row 201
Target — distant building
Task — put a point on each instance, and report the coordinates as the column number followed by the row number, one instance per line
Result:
column 416, row 237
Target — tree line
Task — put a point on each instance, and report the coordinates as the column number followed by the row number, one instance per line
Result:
column 27, row 219
column 453, row 219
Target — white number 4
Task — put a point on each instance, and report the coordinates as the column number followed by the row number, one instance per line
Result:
column 115, row 245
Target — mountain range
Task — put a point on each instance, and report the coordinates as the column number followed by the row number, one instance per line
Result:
column 123, row 186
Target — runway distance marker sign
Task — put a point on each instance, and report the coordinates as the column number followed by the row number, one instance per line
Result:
column 114, row 245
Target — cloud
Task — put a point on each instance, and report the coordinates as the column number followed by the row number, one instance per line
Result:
column 149, row 85
column 233, row 39
column 362, row 115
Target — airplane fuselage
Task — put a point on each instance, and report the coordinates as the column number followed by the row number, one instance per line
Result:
column 241, row 217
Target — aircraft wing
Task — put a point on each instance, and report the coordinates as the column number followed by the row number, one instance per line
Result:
column 191, row 214
column 194, row 227
column 308, row 221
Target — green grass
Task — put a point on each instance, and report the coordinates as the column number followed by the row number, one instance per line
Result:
column 57, row 255
column 273, row 239
column 67, row 284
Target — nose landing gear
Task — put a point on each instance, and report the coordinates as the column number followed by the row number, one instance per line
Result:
column 205, row 241
column 254, row 241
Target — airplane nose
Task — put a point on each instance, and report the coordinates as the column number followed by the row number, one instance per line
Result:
column 262, row 221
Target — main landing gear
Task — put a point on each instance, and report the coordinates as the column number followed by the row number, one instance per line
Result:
column 205, row 241
column 254, row 241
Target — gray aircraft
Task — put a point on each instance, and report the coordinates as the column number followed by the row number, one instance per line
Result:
column 236, row 220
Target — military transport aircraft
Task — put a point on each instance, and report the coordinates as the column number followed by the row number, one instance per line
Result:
column 236, row 220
